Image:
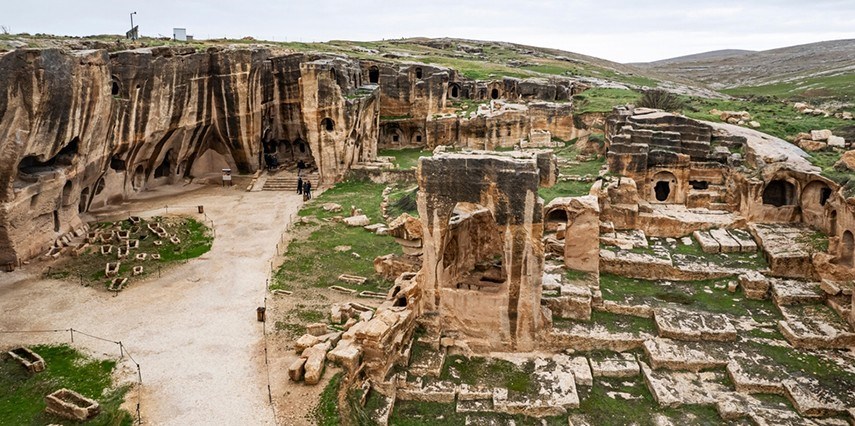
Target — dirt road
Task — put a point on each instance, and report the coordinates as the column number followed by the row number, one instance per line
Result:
column 193, row 330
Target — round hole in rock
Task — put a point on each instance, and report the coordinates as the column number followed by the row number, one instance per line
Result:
column 328, row 124
column 494, row 94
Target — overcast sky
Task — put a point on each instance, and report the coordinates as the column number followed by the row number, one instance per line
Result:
column 623, row 31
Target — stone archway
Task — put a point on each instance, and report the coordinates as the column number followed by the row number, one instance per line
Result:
column 664, row 186
column 779, row 193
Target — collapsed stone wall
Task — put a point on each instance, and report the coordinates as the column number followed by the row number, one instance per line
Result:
column 663, row 158
column 83, row 129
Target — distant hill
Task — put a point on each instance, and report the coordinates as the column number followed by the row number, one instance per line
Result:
column 816, row 70
column 715, row 54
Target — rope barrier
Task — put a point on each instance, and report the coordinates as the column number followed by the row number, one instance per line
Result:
column 122, row 352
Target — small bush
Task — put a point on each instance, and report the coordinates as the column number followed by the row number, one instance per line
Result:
column 660, row 99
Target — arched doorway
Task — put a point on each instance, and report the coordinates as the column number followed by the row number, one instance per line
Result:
column 66, row 193
column 454, row 90
column 419, row 73
column 847, row 249
column 139, row 177
column 494, row 94
column 374, row 75
column 83, row 205
column 779, row 193
column 165, row 167
column 664, row 187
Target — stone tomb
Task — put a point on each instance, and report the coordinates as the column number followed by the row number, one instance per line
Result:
column 71, row 405
column 29, row 359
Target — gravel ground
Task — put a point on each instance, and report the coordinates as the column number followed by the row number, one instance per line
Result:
column 193, row 330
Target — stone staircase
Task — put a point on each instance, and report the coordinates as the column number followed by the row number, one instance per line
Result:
column 287, row 181
column 711, row 198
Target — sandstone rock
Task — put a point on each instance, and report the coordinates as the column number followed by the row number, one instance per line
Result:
column 812, row 145
column 582, row 371
column 836, row 141
column 315, row 361
column 316, row 329
column 297, row 369
column 305, row 341
column 754, row 284
column 847, row 161
column 332, row 207
column 361, row 220
column 618, row 365
column 820, row 135
column 754, row 124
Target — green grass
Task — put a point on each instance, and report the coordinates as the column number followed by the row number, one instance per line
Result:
column 603, row 100
column 614, row 323
column 601, row 409
column 565, row 189
column 196, row 240
column 489, row 372
column 406, row 158
column 22, row 393
column 313, row 261
column 775, row 117
column 814, row 88
column 326, row 413
column 414, row 413
column 691, row 295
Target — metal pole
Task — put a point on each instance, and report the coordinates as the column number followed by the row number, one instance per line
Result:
column 133, row 36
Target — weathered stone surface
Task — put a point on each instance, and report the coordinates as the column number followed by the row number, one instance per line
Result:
column 30, row 360
column 786, row 248
column 305, row 341
column 727, row 243
column 815, row 327
column 755, row 285
column 674, row 355
column 297, row 369
column 618, row 365
column 793, row 292
column 361, row 220
column 315, row 362
column 673, row 389
column 71, row 405
column 693, row 326
column 581, row 371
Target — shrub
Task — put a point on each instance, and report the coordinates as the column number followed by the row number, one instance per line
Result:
column 660, row 99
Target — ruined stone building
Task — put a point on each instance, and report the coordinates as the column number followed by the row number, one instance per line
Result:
column 83, row 129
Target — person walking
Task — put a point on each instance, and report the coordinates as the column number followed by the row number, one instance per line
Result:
column 307, row 190
column 299, row 185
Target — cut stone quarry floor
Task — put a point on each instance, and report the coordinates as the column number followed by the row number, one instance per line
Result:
column 193, row 330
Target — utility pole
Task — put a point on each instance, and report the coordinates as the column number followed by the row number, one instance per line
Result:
column 133, row 34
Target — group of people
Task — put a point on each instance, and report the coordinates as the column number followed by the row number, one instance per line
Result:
column 304, row 188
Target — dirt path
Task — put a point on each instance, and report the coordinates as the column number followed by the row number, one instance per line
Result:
column 193, row 330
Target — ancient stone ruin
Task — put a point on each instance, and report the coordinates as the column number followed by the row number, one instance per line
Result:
column 71, row 405
column 550, row 300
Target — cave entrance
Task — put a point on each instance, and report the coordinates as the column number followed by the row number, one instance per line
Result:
column 663, row 188
column 494, row 94
column 165, row 167
column 454, row 90
column 473, row 253
column 700, row 185
column 557, row 216
column 824, row 195
column 289, row 154
column 56, row 226
column 65, row 157
column 847, row 249
column 779, row 193
column 419, row 73
column 374, row 75
column 139, row 177
column 84, row 200
column 328, row 124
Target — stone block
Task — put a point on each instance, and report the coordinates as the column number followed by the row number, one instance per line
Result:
column 297, row 369
column 71, row 405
